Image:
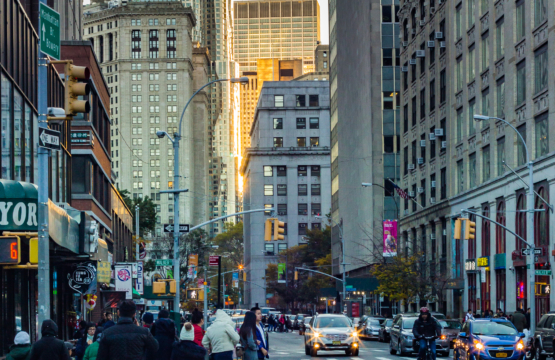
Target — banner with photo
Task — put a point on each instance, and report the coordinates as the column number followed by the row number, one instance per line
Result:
column 389, row 238
column 281, row 273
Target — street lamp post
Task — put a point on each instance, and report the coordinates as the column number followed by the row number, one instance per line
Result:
column 388, row 191
column 176, row 191
column 530, row 223
column 342, row 261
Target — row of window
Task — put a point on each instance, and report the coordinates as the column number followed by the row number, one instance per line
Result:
column 300, row 100
column 302, row 209
column 153, row 119
column 300, row 122
column 302, row 189
column 151, row 22
column 154, row 109
column 302, row 170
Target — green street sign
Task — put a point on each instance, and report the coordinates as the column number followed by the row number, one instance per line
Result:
column 164, row 262
column 543, row 272
column 49, row 31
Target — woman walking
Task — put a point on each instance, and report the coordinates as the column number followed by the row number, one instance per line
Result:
column 221, row 337
column 85, row 341
column 249, row 342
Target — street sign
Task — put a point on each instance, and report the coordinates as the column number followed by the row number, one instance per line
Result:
column 183, row 228
column 350, row 289
column 537, row 251
column 49, row 31
column 543, row 272
column 49, row 139
column 213, row 260
column 164, row 262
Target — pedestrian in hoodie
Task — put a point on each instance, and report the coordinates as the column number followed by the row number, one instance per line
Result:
column 221, row 337
column 21, row 349
column 85, row 341
column 187, row 349
column 164, row 332
column 92, row 350
column 148, row 319
column 49, row 347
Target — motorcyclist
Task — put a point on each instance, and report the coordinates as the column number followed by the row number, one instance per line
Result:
column 426, row 326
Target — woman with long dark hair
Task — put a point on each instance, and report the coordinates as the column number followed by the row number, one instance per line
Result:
column 85, row 341
column 248, row 337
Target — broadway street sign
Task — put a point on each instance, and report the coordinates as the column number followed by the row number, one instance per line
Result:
column 183, row 228
column 49, row 31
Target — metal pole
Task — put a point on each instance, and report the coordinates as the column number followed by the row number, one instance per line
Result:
column 136, row 232
column 223, row 291
column 176, row 264
column 219, row 278
column 43, row 185
column 205, row 299
column 530, row 238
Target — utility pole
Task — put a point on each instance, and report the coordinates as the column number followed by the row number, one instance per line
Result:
column 136, row 232
column 43, row 185
column 205, row 313
column 223, row 288
column 219, row 279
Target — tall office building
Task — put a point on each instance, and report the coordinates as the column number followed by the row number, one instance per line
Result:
column 279, row 29
column 71, row 16
column 198, row 9
column 364, row 76
column 146, row 55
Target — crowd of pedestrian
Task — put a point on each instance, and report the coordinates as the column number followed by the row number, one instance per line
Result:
column 282, row 323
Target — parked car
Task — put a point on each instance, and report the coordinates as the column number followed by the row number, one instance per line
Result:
column 302, row 326
column 402, row 340
column 385, row 328
column 542, row 345
column 489, row 339
column 451, row 329
column 298, row 320
column 370, row 328
column 362, row 323
column 331, row 332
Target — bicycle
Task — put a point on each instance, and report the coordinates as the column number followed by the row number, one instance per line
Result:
column 428, row 355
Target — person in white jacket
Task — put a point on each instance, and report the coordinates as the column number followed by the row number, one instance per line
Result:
column 221, row 337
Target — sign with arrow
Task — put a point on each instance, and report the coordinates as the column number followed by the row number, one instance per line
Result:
column 49, row 139
column 183, row 228
column 526, row 251
column 49, row 31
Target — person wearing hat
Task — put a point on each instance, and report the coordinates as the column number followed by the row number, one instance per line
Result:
column 49, row 347
column 21, row 349
column 426, row 326
column 92, row 351
column 148, row 319
column 187, row 349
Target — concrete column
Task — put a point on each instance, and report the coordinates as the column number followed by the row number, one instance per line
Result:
column 479, row 238
column 551, row 234
column 510, row 206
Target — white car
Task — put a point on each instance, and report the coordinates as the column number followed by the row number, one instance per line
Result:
column 331, row 332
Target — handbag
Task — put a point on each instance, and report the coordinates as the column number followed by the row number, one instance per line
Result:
column 239, row 351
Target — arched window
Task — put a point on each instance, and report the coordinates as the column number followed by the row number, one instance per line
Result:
column 486, row 234
column 521, row 220
column 413, row 20
column 541, row 218
column 406, row 30
column 500, row 234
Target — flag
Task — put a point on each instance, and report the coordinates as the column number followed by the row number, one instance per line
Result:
column 400, row 191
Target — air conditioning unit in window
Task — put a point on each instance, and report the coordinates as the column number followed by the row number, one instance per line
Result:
column 420, row 53
column 439, row 35
column 432, row 236
column 420, row 161
column 420, row 190
column 431, row 44
column 444, row 231
column 422, row 143
column 433, row 183
column 411, row 194
column 412, row 61
column 432, row 136
column 444, row 144
column 422, row 22
column 404, row 69
column 406, row 212
column 432, row 200
column 405, row 43
column 411, row 166
column 438, row 132
column 442, row 44
column 432, row 10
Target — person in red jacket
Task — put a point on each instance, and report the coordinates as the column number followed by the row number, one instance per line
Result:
column 197, row 319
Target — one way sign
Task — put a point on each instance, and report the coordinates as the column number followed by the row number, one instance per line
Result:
column 183, row 228
column 49, row 139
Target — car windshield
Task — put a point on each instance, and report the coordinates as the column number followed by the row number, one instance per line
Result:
column 307, row 320
column 388, row 322
column 332, row 322
column 408, row 323
column 374, row 322
column 300, row 317
column 455, row 325
column 493, row 328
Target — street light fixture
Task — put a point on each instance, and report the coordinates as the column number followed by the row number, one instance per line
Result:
column 388, row 191
column 176, row 176
column 530, row 221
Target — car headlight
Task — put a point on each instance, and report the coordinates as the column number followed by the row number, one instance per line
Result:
column 354, row 334
column 520, row 345
column 443, row 337
column 478, row 345
column 316, row 334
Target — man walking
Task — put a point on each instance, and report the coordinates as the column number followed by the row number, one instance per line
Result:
column 260, row 335
column 426, row 326
column 469, row 316
column 49, row 347
column 519, row 320
column 125, row 340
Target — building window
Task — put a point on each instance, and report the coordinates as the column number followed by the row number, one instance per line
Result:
column 281, row 171
column 269, row 248
column 301, row 141
column 302, row 190
column 485, row 52
column 471, row 61
column 432, row 145
column 406, row 118
column 471, row 10
column 278, row 100
column 460, row 176
column 460, row 122
column 520, row 20
column 136, row 44
column 268, row 171
column 278, row 124
column 171, row 41
column 472, row 170
column 302, row 170
column 542, row 135
column 486, row 163
column 442, row 87
column 153, row 44
column 302, row 209
column 500, row 38
column 313, row 100
column 278, row 142
column 414, row 111
column 459, row 75
column 301, row 123
column 521, row 149
column 541, row 69
column 432, row 95
column 471, row 122
column 282, row 190
column 268, row 206
column 268, row 190
column 314, row 141
column 501, row 98
column 458, row 23
column 315, row 189
column 422, row 104
column 485, row 105
column 316, row 208
column 302, row 228
column 300, row 100
column 520, row 83
column 500, row 156
column 500, row 233
column 540, row 11
column 314, row 123
column 541, row 223
column 282, row 209
column 282, row 247
column 443, row 179
column 520, row 219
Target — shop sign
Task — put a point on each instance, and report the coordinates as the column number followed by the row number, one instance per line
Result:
column 103, row 272
column 81, row 137
column 18, row 215
column 124, row 280
column 83, row 278
column 483, row 261
column 140, row 280
column 470, row 265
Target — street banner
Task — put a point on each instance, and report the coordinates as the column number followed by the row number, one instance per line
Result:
column 235, row 280
column 124, row 280
column 190, row 273
column 140, row 280
column 281, row 273
column 213, row 260
column 193, row 260
column 389, row 238
column 103, row 272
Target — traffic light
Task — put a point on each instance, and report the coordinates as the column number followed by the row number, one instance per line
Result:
column 173, row 286
column 74, row 88
column 469, row 229
column 34, row 251
column 457, row 234
column 158, row 287
column 279, row 230
column 268, row 230
column 296, row 275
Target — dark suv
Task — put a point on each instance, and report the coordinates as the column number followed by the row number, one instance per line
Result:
column 544, row 337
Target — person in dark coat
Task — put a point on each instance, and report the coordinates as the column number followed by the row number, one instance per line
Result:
column 49, row 347
column 426, row 326
column 527, row 315
column 163, row 331
column 187, row 349
column 85, row 341
column 125, row 340
column 519, row 320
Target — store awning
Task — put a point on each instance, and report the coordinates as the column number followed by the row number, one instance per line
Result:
column 19, row 213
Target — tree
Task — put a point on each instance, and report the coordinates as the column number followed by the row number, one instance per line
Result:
column 149, row 266
column 147, row 211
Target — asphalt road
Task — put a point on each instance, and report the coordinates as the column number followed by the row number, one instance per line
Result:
column 291, row 346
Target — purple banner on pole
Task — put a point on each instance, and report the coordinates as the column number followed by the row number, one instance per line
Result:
column 389, row 238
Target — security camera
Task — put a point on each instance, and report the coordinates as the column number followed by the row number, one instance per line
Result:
column 511, row 268
column 160, row 134
column 56, row 112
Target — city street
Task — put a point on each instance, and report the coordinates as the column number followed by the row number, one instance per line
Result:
column 290, row 346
